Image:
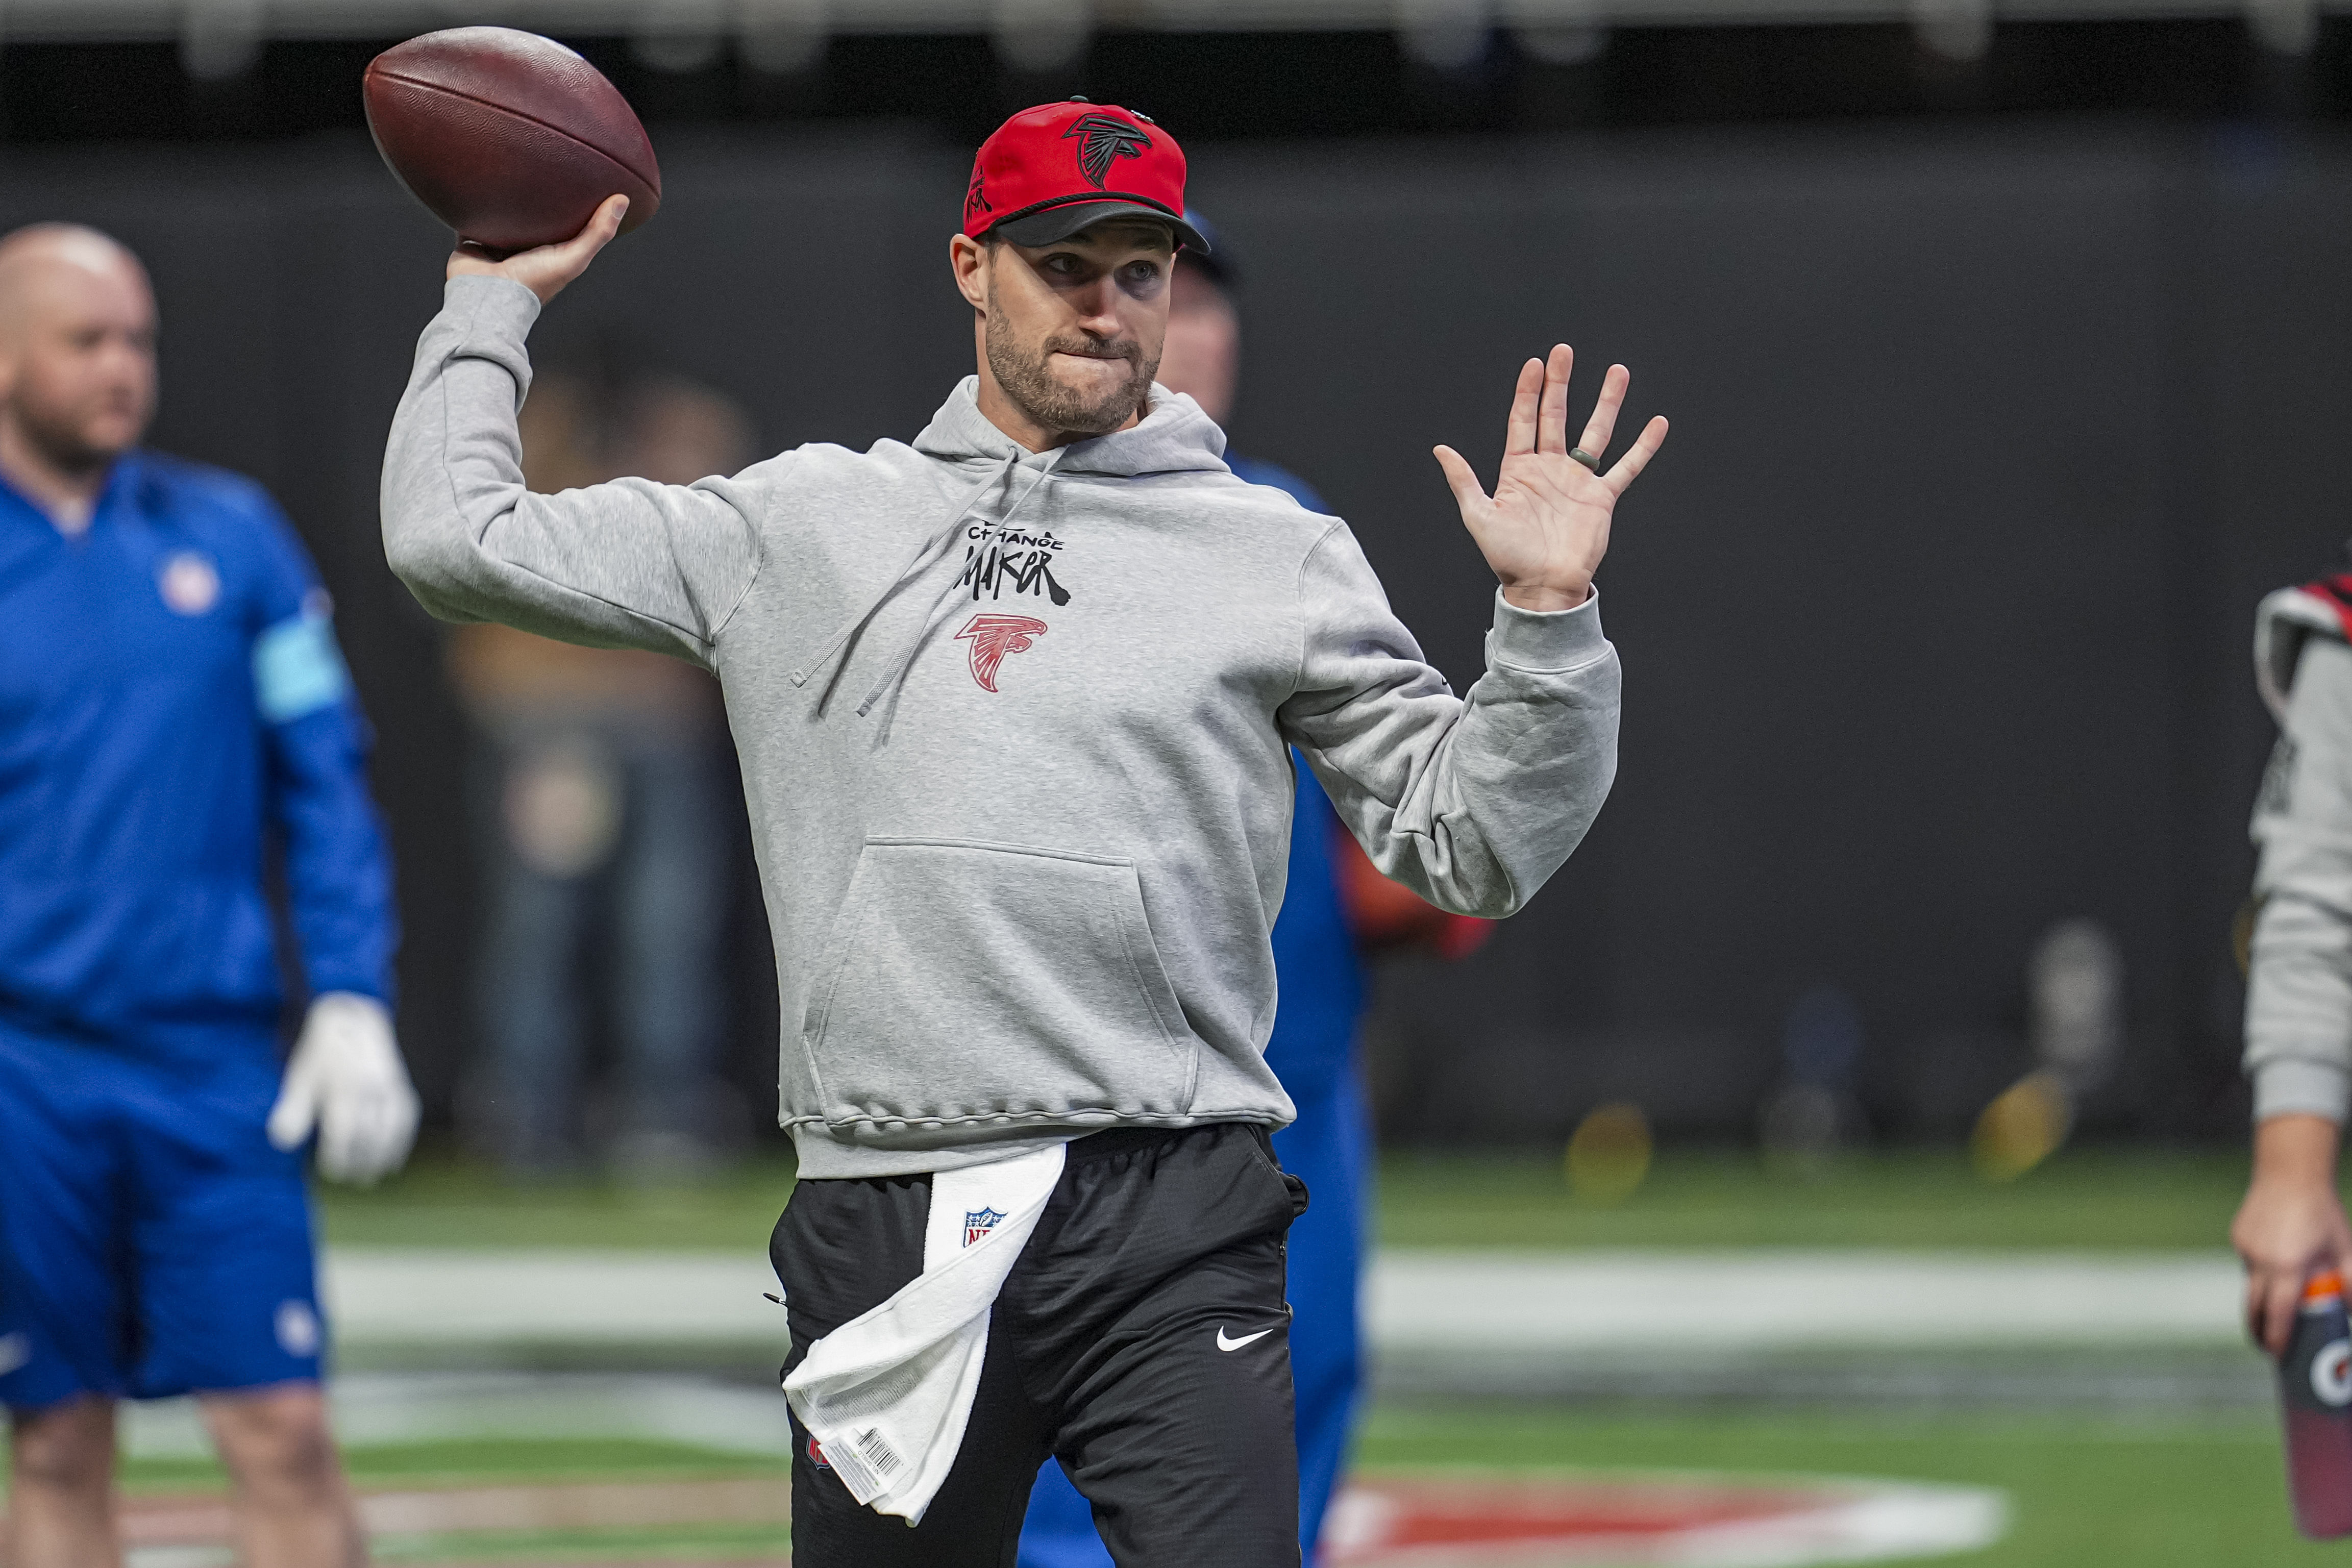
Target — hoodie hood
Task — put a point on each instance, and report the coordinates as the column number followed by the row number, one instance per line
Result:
column 1173, row 437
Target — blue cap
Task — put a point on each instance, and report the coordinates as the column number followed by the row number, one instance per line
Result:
column 1216, row 258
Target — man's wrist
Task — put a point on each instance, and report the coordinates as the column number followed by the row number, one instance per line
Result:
column 349, row 995
column 2297, row 1149
column 1543, row 599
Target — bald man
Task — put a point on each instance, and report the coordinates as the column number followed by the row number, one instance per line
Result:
column 173, row 706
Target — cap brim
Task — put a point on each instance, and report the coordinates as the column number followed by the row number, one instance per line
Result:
column 1056, row 223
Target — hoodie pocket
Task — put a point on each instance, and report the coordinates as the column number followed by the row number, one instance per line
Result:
column 966, row 980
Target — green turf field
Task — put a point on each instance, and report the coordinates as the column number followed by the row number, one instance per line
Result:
column 479, row 1463
column 445, row 1202
column 2084, row 1198
column 2087, row 1494
column 2088, row 1491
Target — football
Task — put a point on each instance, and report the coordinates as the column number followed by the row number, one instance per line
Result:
column 509, row 137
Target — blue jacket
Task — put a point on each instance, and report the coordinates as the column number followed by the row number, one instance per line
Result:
column 1322, row 984
column 173, row 705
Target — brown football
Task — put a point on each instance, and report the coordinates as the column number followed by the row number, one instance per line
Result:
column 510, row 138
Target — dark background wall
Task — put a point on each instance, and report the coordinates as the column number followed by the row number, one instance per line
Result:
column 1988, row 436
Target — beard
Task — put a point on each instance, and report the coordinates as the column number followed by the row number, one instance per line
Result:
column 1024, row 374
column 70, row 441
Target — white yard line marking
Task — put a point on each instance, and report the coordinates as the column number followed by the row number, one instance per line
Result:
column 1428, row 1301
column 1415, row 1301
column 451, row 1295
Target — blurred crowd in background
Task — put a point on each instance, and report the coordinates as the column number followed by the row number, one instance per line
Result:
column 602, row 837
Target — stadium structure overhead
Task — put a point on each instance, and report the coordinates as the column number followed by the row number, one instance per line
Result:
column 779, row 33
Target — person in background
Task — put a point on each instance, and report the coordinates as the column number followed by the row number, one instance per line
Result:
column 605, row 809
column 1337, row 907
column 173, row 708
column 2299, row 961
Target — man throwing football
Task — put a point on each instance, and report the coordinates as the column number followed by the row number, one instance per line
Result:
column 1015, row 704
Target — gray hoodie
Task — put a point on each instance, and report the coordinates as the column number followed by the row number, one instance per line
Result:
column 1015, row 730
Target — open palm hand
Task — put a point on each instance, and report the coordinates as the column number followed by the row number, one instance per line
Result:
column 1546, row 526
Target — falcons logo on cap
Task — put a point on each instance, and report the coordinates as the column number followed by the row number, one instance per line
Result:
column 993, row 637
column 1102, row 142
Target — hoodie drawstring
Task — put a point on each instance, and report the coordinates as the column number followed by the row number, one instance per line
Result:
column 906, row 660
column 925, row 555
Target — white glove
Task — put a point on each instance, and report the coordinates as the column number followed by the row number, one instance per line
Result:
column 346, row 1079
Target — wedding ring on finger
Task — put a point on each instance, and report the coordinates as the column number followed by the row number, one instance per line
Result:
column 1580, row 455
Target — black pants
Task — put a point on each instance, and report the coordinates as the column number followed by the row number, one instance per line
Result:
column 1142, row 1339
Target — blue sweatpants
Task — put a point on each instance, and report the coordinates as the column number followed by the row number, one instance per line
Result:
column 1328, row 1147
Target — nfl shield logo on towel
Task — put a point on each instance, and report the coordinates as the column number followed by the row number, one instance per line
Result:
column 979, row 1222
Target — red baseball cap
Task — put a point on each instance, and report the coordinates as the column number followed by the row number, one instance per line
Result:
column 1051, row 170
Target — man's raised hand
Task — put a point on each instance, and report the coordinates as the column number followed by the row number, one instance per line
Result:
column 1546, row 526
column 546, row 269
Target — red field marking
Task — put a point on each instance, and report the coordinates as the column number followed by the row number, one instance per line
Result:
column 1427, row 1513
column 1566, row 1522
column 1554, row 1522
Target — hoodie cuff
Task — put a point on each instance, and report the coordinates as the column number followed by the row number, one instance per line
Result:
column 2294, row 1086
column 1545, row 641
column 486, row 301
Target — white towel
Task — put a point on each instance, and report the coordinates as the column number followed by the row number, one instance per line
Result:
column 887, row 1395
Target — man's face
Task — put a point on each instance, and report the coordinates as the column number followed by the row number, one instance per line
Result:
column 77, row 356
column 1203, row 355
column 1071, row 331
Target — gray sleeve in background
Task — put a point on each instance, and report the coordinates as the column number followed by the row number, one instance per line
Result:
column 630, row 564
column 1472, row 803
column 2299, row 990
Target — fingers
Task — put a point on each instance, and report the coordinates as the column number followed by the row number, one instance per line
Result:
column 396, row 1135
column 371, row 1153
column 1552, row 425
column 1519, row 436
column 400, row 1139
column 1603, row 423
column 1637, row 457
column 1462, row 479
column 571, row 256
column 2261, row 1284
column 2278, row 1296
column 601, row 227
column 334, row 1151
column 367, row 1130
column 366, row 1134
column 546, row 269
column 296, row 1113
column 347, row 1140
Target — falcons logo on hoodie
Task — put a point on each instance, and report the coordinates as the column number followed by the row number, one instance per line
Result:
column 1102, row 142
column 994, row 636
